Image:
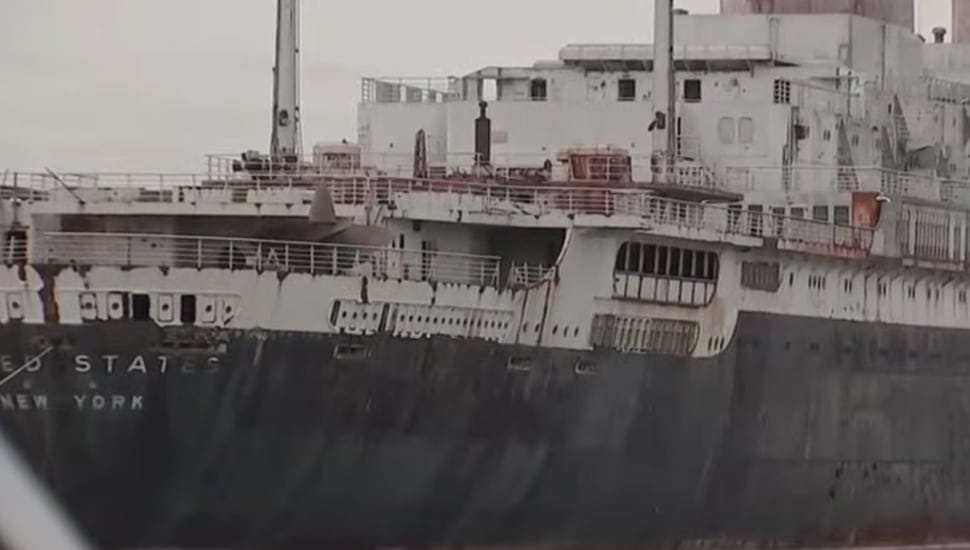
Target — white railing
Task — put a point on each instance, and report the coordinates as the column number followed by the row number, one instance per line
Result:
column 531, row 200
column 148, row 250
column 527, row 274
column 225, row 186
column 408, row 90
column 836, row 179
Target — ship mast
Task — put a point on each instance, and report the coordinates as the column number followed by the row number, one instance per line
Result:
column 286, row 140
column 664, row 123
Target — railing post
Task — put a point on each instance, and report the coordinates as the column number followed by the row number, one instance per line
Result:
column 313, row 248
column 259, row 256
column 198, row 253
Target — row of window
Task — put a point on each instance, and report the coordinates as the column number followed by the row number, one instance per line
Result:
column 818, row 282
column 626, row 90
column 666, row 261
column 840, row 215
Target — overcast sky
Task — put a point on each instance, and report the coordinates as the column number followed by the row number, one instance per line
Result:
column 154, row 85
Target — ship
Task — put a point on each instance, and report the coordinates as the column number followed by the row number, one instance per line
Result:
column 708, row 292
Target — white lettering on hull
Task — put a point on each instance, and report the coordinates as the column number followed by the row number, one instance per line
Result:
column 114, row 402
column 23, row 402
column 79, row 401
column 109, row 364
column 96, row 366
column 115, row 364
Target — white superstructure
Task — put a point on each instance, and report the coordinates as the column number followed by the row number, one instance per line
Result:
column 755, row 94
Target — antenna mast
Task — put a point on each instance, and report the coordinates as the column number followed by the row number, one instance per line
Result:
column 286, row 140
column 664, row 123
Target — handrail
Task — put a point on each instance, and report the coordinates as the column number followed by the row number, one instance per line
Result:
column 179, row 187
column 207, row 252
column 532, row 200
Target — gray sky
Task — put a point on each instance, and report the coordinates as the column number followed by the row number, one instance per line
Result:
column 154, row 85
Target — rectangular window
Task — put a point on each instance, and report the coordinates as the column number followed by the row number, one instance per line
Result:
column 692, row 90
column 820, row 213
column 841, row 215
column 725, row 130
column 675, row 262
column 662, row 261
column 626, row 89
column 745, row 130
column 650, row 259
column 187, row 309
column 537, row 89
column 764, row 276
column 710, row 266
column 634, row 266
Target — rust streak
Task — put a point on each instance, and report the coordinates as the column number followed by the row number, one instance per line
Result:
column 47, row 293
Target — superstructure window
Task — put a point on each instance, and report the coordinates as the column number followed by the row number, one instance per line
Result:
column 841, row 215
column 692, row 90
column 626, row 89
column 764, row 276
column 725, row 130
column 820, row 213
column 782, row 91
column 745, row 130
column 666, row 261
column 538, row 89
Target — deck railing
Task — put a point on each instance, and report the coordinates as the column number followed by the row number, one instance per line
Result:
column 131, row 250
column 430, row 197
column 524, row 274
column 221, row 184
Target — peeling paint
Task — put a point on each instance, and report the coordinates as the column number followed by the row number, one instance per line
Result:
column 48, row 294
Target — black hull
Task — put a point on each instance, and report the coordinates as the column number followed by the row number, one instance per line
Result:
column 803, row 431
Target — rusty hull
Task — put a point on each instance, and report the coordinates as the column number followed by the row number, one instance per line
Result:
column 803, row 433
